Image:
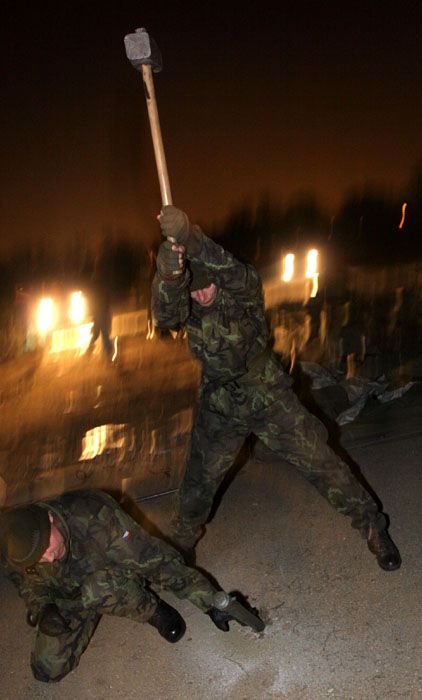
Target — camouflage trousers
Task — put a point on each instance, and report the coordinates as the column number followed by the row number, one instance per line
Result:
column 52, row 658
column 276, row 416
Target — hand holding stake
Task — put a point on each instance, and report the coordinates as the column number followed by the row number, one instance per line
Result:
column 228, row 604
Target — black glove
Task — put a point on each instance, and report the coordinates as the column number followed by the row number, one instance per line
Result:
column 220, row 619
column 168, row 265
column 175, row 223
column 51, row 622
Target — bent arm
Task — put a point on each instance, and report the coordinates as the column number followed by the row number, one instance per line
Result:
column 34, row 593
column 170, row 303
column 229, row 273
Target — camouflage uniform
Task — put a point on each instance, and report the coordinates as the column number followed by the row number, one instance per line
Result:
column 109, row 559
column 244, row 390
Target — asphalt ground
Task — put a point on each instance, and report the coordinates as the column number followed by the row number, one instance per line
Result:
column 337, row 625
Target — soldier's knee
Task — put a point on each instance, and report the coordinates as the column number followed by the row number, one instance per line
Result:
column 309, row 433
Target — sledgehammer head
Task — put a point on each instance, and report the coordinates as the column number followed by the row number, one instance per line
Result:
column 141, row 49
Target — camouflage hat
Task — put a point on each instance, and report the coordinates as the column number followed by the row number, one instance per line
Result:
column 201, row 276
column 25, row 535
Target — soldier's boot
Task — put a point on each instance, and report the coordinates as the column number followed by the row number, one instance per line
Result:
column 386, row 552
column 168, row 622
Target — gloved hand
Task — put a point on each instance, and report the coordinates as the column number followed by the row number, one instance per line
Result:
column 220, row 619
column 176, row 225
column 51, row 622
column 169, row 262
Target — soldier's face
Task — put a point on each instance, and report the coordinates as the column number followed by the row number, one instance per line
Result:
column 56, row 548
column 205, row 296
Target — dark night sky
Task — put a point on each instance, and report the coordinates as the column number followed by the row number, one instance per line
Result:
column 263, row 99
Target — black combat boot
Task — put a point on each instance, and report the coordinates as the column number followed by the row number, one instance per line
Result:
column 168, row 622
column 386, row 552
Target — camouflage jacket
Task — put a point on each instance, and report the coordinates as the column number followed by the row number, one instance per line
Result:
column 100, row 537
column 230, row 335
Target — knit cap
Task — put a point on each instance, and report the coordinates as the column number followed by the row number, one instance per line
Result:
column 25, row 535
column 201, row 276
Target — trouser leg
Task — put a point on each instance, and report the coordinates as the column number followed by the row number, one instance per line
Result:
column 214, row 446
column 52, row 658
column 301, row 439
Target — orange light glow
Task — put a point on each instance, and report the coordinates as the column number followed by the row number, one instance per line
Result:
column 288, row 267
column 314, row 290
column 72, row 338
column 45, row 316
column 107, row 437
column 403, row 215
column 311, row 263
column 77, row 307
column 150, row 331
column 115, row 348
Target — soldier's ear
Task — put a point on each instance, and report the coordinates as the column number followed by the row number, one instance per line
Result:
column 50, row 517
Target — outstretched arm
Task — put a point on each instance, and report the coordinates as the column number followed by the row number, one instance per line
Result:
column 127, row 544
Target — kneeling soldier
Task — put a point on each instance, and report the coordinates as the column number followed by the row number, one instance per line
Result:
column 80, row 556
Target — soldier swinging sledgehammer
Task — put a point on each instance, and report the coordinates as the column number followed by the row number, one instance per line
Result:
column 244, row 389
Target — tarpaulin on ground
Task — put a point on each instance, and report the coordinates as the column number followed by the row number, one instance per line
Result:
column 331, row 391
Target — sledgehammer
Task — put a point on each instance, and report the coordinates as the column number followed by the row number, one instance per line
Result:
column 144, row 55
